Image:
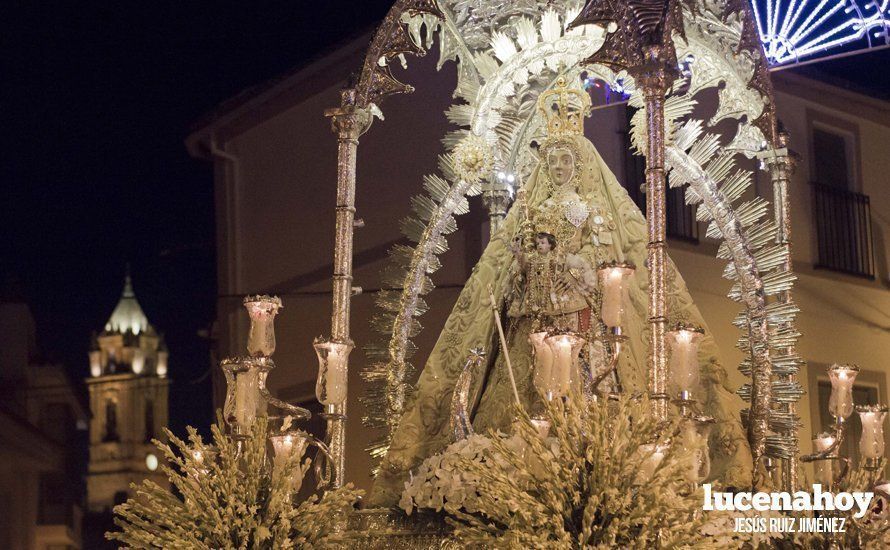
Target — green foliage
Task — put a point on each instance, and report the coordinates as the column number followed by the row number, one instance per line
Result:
column 230, row 499
column 582, row 486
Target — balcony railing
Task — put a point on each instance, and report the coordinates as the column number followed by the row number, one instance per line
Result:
column 843, row 231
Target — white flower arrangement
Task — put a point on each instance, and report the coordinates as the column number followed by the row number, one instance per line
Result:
column 441, row 482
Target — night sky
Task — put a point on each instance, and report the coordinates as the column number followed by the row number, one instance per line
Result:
column 95, row 101
column 97, row 98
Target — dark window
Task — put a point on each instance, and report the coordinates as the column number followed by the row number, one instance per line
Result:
column 111, row 421
column 149, row 420
column 57, row 421
column 830, row 163
column 55, row 500
column 680, row 220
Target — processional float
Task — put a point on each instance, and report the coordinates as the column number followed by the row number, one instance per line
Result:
column 661, row 54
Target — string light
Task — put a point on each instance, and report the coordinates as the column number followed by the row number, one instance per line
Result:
column 794, row 29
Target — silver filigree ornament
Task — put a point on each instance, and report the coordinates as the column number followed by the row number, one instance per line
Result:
column 576, row 213
column 473, row 159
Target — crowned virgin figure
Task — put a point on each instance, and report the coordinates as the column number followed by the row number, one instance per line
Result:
column 571, row 216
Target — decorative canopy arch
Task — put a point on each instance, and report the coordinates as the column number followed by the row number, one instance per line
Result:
column 505, row 56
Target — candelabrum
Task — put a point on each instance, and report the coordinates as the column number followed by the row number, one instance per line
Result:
column 831, row 468
column 613, row 278
column 556, row 354
column 248, row 398
column 827, row 445
column 683, row 341
column 330, row 390
column 557, row 369
column 556, row 349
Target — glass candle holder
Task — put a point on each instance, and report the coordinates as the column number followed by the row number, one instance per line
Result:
column 201, row 460
column 840, row 403
column 96, row 363
column 286, row 447
column 245, row 392
column 262, row 311
column 542, row 426
column 871, row 444
column 543, row 378
column 881, row 489
column 824, row 469
column 683, row 343
column 333, row 361
column 703, row 427
column 613, row 282
column 564, row 347
column 652, row 456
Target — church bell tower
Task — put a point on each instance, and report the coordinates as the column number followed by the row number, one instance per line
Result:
column 128, row 389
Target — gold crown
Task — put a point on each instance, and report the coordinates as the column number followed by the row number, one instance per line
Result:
column 553, row 222
column 564, row 109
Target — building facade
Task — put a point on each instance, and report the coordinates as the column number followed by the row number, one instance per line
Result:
column 42, row 421
column 274, row 165
column 128, row 392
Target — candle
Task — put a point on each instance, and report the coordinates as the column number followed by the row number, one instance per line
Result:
column 198, row 459
column 246, row 397
column 333, row 357
column 201, row 460
column 613, row 277
column 823, row 468
column 543, row 364
column 652, row 456
column 683, row 342
column 285, row 447
column 564, row 346
column 262, row 311
column 542, row 425
column 840, row 403
column 871, row 445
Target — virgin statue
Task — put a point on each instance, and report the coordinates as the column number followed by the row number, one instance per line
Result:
column 571, row 216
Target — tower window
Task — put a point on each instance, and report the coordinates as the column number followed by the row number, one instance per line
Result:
column 149, row 420
column 111, row 421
